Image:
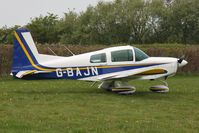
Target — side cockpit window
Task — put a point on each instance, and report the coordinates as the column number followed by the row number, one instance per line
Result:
column 139, row 54
column 98, row 58
column 122, row 55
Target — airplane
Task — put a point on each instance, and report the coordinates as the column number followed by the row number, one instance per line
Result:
column 108, row 66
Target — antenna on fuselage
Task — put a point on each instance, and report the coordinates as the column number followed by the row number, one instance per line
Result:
column 68, row 50
column 52, row 51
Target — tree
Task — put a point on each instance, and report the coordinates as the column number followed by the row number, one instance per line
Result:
column 7, row 34
column 66, row 27
column 43, row 29
column 186, row 17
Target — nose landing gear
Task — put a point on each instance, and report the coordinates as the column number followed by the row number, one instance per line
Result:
column 160, row 88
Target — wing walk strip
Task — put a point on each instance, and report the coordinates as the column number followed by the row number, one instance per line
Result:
column 53, row 69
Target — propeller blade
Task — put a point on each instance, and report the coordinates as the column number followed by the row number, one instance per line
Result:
column 181, row 59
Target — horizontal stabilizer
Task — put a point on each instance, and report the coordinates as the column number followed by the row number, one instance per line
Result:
column 20, row 74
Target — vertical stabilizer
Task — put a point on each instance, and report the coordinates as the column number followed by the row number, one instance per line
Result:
column 24, row 52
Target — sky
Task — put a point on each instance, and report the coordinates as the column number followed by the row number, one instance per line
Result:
column 19, row 12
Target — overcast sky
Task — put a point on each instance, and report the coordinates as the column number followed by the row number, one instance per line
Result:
column 19, row 12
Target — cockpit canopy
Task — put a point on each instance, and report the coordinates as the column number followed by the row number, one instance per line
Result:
column 123, row 55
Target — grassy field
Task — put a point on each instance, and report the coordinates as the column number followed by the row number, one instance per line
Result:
column 50, row 106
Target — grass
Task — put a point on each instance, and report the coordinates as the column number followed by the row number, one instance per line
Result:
column 73, row 106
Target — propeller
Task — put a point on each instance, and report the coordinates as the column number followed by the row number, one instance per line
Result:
column 181, row 59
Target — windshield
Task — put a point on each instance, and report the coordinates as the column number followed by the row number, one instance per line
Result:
column 140, row 55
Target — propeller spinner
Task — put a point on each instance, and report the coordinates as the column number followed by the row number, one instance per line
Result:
column 181, row 61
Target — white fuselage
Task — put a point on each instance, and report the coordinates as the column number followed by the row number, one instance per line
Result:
column 83, row 60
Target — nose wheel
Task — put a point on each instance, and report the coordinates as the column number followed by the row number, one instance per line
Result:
column 160, row 88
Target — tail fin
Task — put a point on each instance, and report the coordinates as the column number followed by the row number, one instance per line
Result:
column 24, row 52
